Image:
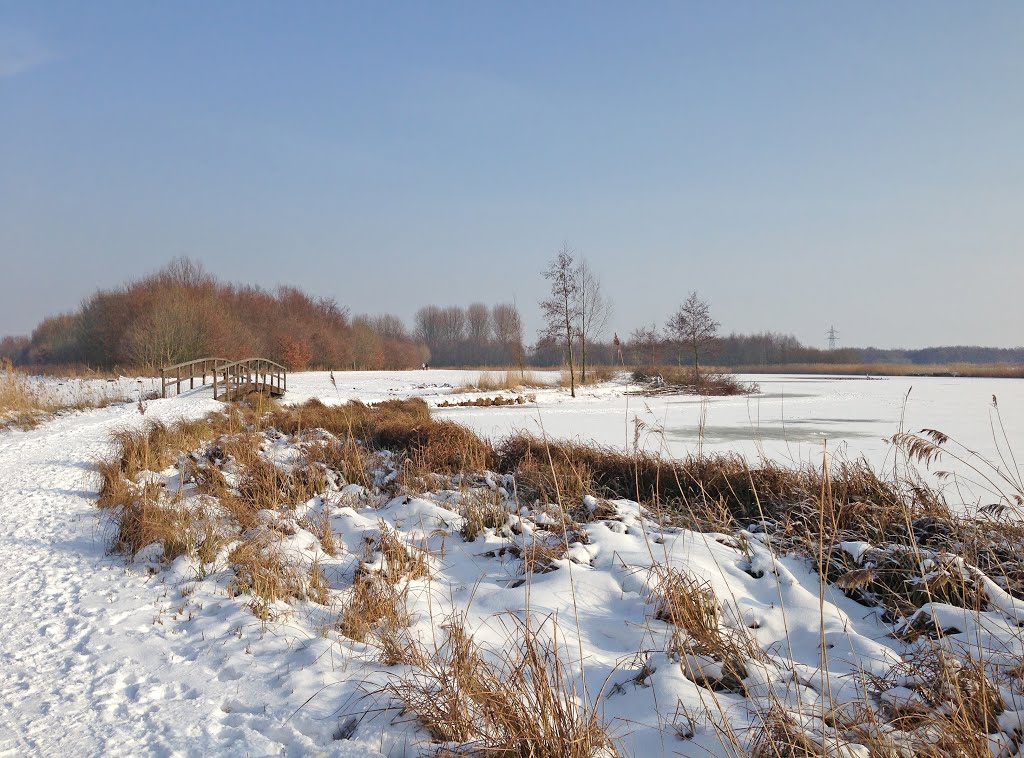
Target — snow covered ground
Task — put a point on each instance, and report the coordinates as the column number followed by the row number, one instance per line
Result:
column 100, row 657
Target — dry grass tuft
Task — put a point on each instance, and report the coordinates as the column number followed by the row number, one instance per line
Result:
column 377, row 608
column 902, row 579
column 780, row 736
column 320, row 526
column 508, row 380
column 520, row 700
column 540, row 556
column 349, row 458
column 393, row 559
column 482, row 509
column 691, row 606
column 946, row 706
column 677, row 380
column 156, row 446
column 144, row 520
column 23, row 403
column 441, row 447
column 267, row 486
column 26, row 402
column 262, row 572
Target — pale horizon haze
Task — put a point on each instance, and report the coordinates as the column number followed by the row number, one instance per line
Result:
column 799, row 164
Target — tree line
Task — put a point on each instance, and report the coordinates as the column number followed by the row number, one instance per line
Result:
column 182, row 312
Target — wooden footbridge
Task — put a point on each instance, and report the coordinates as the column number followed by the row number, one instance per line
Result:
column 231, row 379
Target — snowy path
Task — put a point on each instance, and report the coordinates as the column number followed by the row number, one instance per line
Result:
column 92, row 658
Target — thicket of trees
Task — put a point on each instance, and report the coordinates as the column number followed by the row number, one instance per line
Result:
column 182, row 312
column 948, row 354
column 474, row 336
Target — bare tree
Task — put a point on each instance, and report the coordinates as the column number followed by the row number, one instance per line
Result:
column 388, row 325
column 644, row 340
column 453, row 324
column 478, row 331
column 508, row 332
column 559, row 310
column 428, row 329
column 593, row 309
column 693, row 326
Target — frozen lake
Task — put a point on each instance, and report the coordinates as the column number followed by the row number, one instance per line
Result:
column 789, row 421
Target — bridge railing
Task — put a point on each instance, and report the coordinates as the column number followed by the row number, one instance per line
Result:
column 257, row 374
column 230, row 378
column 189, row 371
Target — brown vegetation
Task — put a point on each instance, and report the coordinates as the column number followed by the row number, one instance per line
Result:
column 672, row 380
column 182, row 312
column 509, row 380
column 519, row 700
column 25, row 401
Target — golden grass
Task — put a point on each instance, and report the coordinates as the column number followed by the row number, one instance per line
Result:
column 398, row 560
column 673, row 380
column 481, row 509
column 510, row 380
column 595, row 375
column 521, row 699
column 262, row 572
column 24, row 403
column 156, row 445
column 145, row 520
column 690, row 605
column 81, row 371
column 320, row 527
column 375, row 607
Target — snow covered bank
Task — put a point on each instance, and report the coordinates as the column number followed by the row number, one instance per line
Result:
column 99, row 656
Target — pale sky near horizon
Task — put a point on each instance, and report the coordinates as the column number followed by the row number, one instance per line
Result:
column 799, row 164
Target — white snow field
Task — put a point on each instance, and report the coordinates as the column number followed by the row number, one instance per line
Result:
column 103, row 656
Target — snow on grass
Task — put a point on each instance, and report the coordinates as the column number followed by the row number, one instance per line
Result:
column 650, row 638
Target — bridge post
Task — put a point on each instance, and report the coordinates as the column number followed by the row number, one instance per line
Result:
column 163, row 384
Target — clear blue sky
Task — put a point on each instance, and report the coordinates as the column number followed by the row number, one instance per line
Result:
column 800, row 164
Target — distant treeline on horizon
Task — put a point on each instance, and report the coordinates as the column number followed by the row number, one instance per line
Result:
column 182, row 312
